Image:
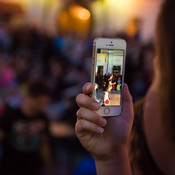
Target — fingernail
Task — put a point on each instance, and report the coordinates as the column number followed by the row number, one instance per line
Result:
column 95, row 105
column 102, row 121
column 87, row 87
column 100, row 130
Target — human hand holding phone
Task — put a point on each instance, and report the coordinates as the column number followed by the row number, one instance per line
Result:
column 105, row 138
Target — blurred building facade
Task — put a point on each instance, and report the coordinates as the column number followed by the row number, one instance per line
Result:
column 109, row 16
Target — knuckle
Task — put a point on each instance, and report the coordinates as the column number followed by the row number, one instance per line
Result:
column 80, row 112
column 84, row 87
column 130, row 97
column 88, row 114
column 80, row 124
column 76, row 128
column 79, row 97
column 98, row 118
column 77, row 114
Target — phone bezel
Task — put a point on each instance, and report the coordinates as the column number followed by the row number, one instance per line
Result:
column 108, row 43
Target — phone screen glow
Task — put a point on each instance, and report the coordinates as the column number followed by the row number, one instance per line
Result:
column 108, row 76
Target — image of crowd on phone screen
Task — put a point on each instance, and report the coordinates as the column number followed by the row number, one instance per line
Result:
column 108, row 80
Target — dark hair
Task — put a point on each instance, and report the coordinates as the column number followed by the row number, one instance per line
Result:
column 140, row 155
column 165, row 47
column 37, row 89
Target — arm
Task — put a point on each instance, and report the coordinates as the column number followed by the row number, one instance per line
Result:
column 119, row 164
column 105, row 138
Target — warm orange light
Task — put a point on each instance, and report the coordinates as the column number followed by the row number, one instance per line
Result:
column 131, row 29
column 84, row 14
column 11, row 1
column 80, row 12
column 75, row 18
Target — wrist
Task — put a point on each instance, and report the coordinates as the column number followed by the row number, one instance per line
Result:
column 115, row 153
column 118, row 162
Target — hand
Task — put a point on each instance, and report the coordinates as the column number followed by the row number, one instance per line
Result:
column 103, row 137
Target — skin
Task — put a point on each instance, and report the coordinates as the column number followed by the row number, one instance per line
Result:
column 106, row 139
column 161, row 146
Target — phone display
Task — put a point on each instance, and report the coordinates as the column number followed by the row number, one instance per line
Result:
column 108, row 76
column 108, row 65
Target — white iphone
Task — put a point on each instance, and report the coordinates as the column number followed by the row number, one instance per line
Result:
column 108, row 65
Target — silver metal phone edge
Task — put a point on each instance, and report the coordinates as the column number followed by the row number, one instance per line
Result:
column 93, row 80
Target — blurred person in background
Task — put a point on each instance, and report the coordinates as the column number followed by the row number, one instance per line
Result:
column 24, row 135
column 29, row 52
column 152, row 142
column 4, row 38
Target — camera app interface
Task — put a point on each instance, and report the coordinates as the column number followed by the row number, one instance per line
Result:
column 108, row 78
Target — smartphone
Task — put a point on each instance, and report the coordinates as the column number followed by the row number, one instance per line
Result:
column 108, row 66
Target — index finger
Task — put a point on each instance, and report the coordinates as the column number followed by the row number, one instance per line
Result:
column 88, row 88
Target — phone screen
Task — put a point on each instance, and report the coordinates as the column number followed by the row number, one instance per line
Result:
column 108, row 76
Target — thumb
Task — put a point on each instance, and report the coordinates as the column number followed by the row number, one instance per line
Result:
column 127, row 108
column 126, row 94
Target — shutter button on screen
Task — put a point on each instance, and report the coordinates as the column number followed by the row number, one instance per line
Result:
column 106, row 111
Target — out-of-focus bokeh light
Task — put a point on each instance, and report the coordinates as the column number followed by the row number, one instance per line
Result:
column 11, row 1
column 76, row 18
column 84, row 14
column 119, row 3
column 133, row 27
column 131, row 30
column 80, row 12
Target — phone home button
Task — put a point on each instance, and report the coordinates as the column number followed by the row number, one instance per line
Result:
column 106, row 111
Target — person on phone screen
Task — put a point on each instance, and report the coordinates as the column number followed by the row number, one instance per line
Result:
column 152, row 142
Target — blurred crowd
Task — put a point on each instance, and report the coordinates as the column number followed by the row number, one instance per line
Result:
column 28, row 54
